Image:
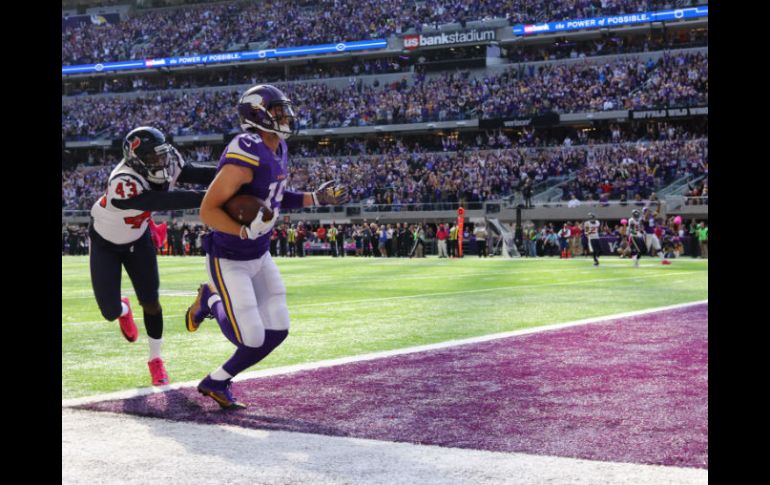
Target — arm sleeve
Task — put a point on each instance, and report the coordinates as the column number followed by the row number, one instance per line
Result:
column 192, row 174
column 293, row 200
column 158, row 201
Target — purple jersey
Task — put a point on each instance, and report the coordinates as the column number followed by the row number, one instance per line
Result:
column 649, row 227
column 268, row 183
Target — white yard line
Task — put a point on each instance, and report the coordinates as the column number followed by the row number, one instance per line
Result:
column 112, row 448
column 376, row 355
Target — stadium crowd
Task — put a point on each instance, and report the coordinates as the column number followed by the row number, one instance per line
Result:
column 314, row 69
column 674, row 80
column 214, row 28
column 403, row 176
column 608, row 44
column 601, row 171
column 527, row 136
column 698, row 194
column 599, row 132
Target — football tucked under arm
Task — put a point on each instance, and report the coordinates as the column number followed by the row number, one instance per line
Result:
column 254, row 215
column 245, row 208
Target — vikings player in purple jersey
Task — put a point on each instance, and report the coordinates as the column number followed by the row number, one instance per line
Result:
column 650, row 238
column 246, row 295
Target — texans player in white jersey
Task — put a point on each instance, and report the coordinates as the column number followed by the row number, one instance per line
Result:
column 246, row 295
column 636, row 237
column 591, row 230
column 120, row 237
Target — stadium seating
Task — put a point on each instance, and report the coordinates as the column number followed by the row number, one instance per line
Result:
column 674, row 80
column 227, row 26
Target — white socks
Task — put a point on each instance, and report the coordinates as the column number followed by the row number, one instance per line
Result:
column 213, row 299
column 124, row 309
column 154, row 347
column 220, row 375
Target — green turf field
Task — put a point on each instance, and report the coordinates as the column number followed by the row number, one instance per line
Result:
column 350, row 306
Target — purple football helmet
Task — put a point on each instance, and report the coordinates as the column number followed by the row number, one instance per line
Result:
column 254, row 110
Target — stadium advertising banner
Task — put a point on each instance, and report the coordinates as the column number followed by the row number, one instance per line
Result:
column 540, row 121
column 422, row 40
column 668, row 113
column 613, row 21
column 228, row 57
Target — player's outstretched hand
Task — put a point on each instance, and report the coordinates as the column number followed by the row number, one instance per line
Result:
column 331, row 193
column 258, row 227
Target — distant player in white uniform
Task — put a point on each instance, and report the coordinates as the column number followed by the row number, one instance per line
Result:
column 636, row 237
column 120, row 237
column 591, row 230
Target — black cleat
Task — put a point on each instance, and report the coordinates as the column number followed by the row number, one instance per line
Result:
column 219, row 391
column 200, row 308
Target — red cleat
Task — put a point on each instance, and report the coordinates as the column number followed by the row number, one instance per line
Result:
column 127, row 325
column 158, row 372
column 666, row 262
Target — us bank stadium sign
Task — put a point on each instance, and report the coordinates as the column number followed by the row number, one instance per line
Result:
column 473, row 36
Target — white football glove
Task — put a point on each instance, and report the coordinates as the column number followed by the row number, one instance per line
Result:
column 258, row 227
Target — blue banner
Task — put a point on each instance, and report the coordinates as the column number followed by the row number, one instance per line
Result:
column 613, row 21
column 227, row 57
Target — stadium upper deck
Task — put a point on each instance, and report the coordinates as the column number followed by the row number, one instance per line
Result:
column 227, row 26
column 679, row 79
column 472, row 56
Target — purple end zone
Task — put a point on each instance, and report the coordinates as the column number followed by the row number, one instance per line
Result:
column 629, row 390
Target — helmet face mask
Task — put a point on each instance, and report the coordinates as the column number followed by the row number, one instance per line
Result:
column 284, row 116
column 267, row 108
column 146, row 151
column 158, row 163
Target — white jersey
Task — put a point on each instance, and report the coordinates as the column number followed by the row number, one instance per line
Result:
column 591, row 229
column 123, row 226
column 635, row 228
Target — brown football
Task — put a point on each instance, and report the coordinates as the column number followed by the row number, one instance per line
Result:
column 243, row 208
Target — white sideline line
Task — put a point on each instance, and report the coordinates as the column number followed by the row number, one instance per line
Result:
column 421, row 295
column 372, row 356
